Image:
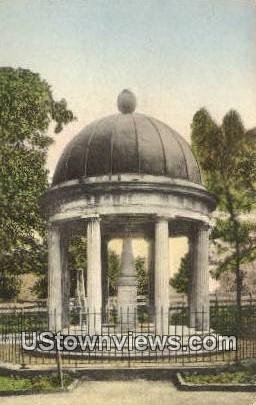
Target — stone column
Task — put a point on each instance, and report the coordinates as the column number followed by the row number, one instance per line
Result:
column 104, row 277
column 199, row 293
column 191, row 281
column 54, row 278
column 94, row 291
column 127, row 288
column 151, row 276
column 65, row 279
column 162, row 276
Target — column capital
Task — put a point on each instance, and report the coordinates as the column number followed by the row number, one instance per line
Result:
column 204, row 226
column 92, row 218
column 53, row 226
column 162, row 218
column 60, row 229
column 58, row 225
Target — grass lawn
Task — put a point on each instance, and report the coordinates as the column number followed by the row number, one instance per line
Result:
column 37, row 384
column 226, row 377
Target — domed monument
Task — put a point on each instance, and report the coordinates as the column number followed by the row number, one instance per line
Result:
column 123, row 176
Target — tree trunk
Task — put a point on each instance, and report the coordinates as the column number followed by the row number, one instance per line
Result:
column 239, row 280
column 238, row 287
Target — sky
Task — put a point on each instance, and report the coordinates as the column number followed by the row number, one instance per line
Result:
column 176, row 55
column 178, row 245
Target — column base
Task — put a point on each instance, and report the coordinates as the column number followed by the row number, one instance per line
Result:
column 162, row 321
column 127, row 306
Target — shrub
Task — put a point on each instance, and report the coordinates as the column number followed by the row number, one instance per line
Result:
column 9, row 286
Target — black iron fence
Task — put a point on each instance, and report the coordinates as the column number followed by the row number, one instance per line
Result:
column 125, row 337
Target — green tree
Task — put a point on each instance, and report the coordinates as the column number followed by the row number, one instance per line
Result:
column 180, row 280
column 114, row 267
column 27, row 109
column 223, row 152
column 10, row 285
column 142, row 276
column 77, row 259
column 247, row 166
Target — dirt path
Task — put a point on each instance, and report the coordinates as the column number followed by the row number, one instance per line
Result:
column 137, row 392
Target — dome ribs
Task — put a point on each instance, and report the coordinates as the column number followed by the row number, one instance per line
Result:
column 137, row 142
column 162, row 144
column 183, row 153
column 87, row 151
column 193, row 169
column 150, row 147
column 127, row 144
column 124, row 154
column 59, row 174
column 112, row 140
column 75, row 158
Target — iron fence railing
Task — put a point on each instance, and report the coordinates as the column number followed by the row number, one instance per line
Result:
column 19, row 326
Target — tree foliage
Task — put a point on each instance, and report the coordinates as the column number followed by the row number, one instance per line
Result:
column 114, row 267
column 77, row 253
column 225, row 153
column 142, row 276
column 180, row 280
column 27, row 109
column 10, row 285
column 77, row 259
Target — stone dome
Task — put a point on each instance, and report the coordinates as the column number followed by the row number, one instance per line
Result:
column 252, row 133
column 127, row 143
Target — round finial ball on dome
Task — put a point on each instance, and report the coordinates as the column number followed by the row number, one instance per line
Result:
column 126, row 102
